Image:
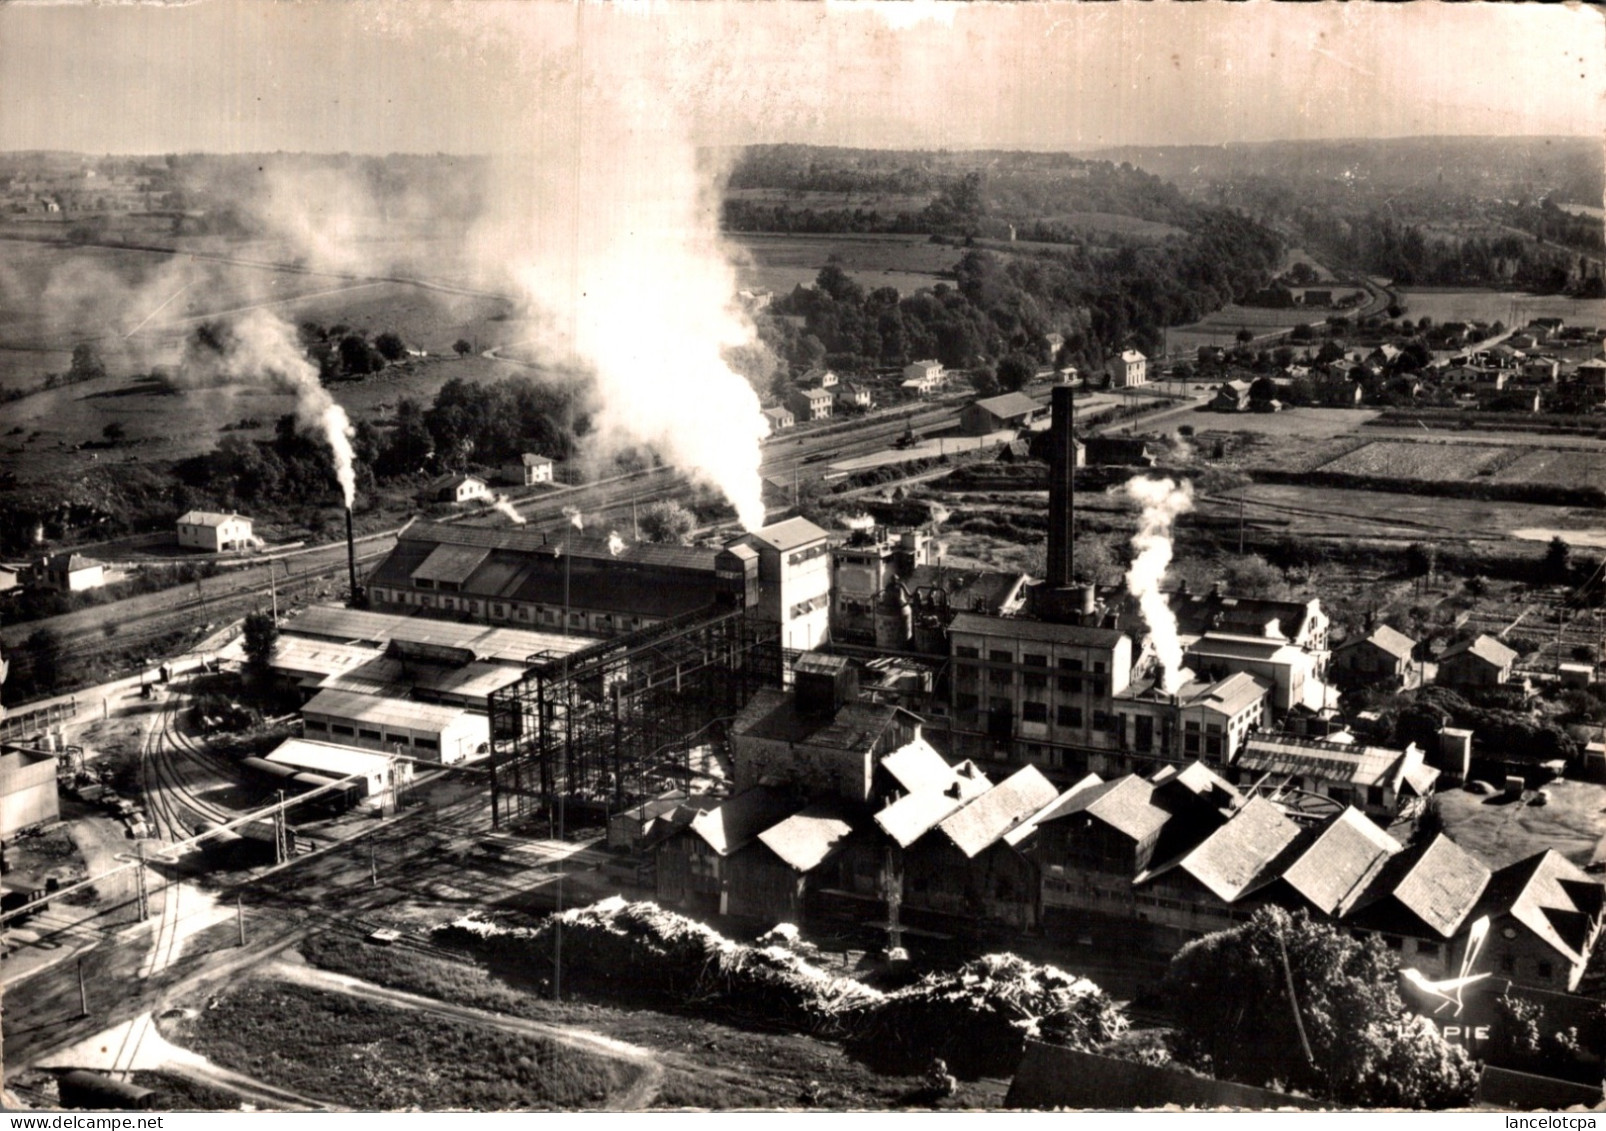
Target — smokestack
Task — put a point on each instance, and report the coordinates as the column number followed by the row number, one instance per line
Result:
column 351, row 561
column 1061, row 501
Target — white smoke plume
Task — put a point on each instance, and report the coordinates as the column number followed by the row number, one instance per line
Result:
column 1162, row 501
column 616, row 544
column 260, row 349
column 501, row 504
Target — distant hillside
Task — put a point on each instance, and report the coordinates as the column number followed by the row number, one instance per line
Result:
column 1567, row 169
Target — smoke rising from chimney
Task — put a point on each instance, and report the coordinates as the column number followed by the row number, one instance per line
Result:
column 1162, row 501
column 616, row 544
column 260, row 349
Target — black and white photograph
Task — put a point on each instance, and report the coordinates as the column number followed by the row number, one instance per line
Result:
column 802, row 557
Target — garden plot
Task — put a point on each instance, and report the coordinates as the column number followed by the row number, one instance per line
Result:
column 1423, row 462
column 1556, row 468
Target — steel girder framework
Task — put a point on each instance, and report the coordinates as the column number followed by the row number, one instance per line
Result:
column 607, row 727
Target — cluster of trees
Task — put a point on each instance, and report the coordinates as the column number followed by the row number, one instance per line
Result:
column 1517, row 733
column 341, row 352
column 1290, row 1001
column 1008, row 304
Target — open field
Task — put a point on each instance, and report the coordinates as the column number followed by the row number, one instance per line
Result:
column 1221, row 327
column 1511, row 307
column 780, row 262
column 1370, row 514
column 366, row 1055
column 1395, row 459
column 1314, row 423
column 44, row 430
column 1565, row 468
column 886, row 203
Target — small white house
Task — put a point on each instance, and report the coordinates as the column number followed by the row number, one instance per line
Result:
column 529, row 470
column 461, row 489
column 209, row 530
column 69, row 573
column 922, row 377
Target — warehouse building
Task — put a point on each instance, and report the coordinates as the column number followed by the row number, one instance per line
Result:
column 378, row 776
column 995, row 414
column 427, row 731
column 27, row 790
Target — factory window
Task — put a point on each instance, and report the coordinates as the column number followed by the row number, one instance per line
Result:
column 965, row 675
column 423, row 583
column 397, row 740
column 1070, row 716
column 496, row 611
column 317, row 725
column 1071, row 683
column 1070, row 664
column 1213, row 747
column 1000, row 656
column 1098, row 666
column 966, row 652
column 1212, row 728
column 1428, row 949
column 373, row 735
column 1035, row 682
column 1546, row 970
column 1034, row 712
column 448, row 602
column 1508, row 964
column 1190, row 743
column 1034, row 660
column 998, row 703
column 1374, row 795
column 1144, row 738
column 966, row 703
column 427, row 743
column 344, row 730
column 1001, row 679
column 1103, row 720
column 449, row 587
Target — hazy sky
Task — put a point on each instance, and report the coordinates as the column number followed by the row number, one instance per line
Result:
column 475, row 76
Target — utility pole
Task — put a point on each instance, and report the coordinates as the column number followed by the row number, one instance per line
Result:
column 373, row 866
column 83, row 992
column 1240, row 526
column 281, row 850
column 239, row 916
column 141, row 892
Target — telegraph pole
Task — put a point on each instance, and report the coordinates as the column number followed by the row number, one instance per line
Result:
column 239, row 916
column 83, row 992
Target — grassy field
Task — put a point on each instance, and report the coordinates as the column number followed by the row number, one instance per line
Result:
column 706, row 1064
column 1309, row 423
column 888, row 204
column 780, row 262
column 1563, row 468
column 368, row 1056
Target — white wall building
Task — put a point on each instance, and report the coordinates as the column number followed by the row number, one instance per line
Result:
column 209, row 530
column 794, row 574
column 432, row 732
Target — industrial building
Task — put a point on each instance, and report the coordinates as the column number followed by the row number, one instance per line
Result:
column 214, row 532
column 995, row 414
column 427, row 731
column 378, row 776
column 27, row 790
column 785, row 571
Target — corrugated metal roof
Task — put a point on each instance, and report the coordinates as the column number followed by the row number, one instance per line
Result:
column 1339, row 861
column 1009, row 404
column 328, row 758
column 1230, row 696
column 1304, row 757
column 320, row 657
column 357, row 707
column 788, row 535
column 1020, row 628
column 512, row 645
column 451, row 564
column 1010, row 804
column 527, row 541
column 384, row 676
column 807, row 838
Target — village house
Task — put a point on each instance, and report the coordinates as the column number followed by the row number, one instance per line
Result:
column 1545, row 917
column 69, row 572
column 852, row 394
column 812, row 402
column 779, row 417
column 922, row 377
column 217, row 533
column 461, row 489
column 1382, row 656
column 527, row 471
column 1231, row 396
column 1128, row 369
column 1481, row 662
